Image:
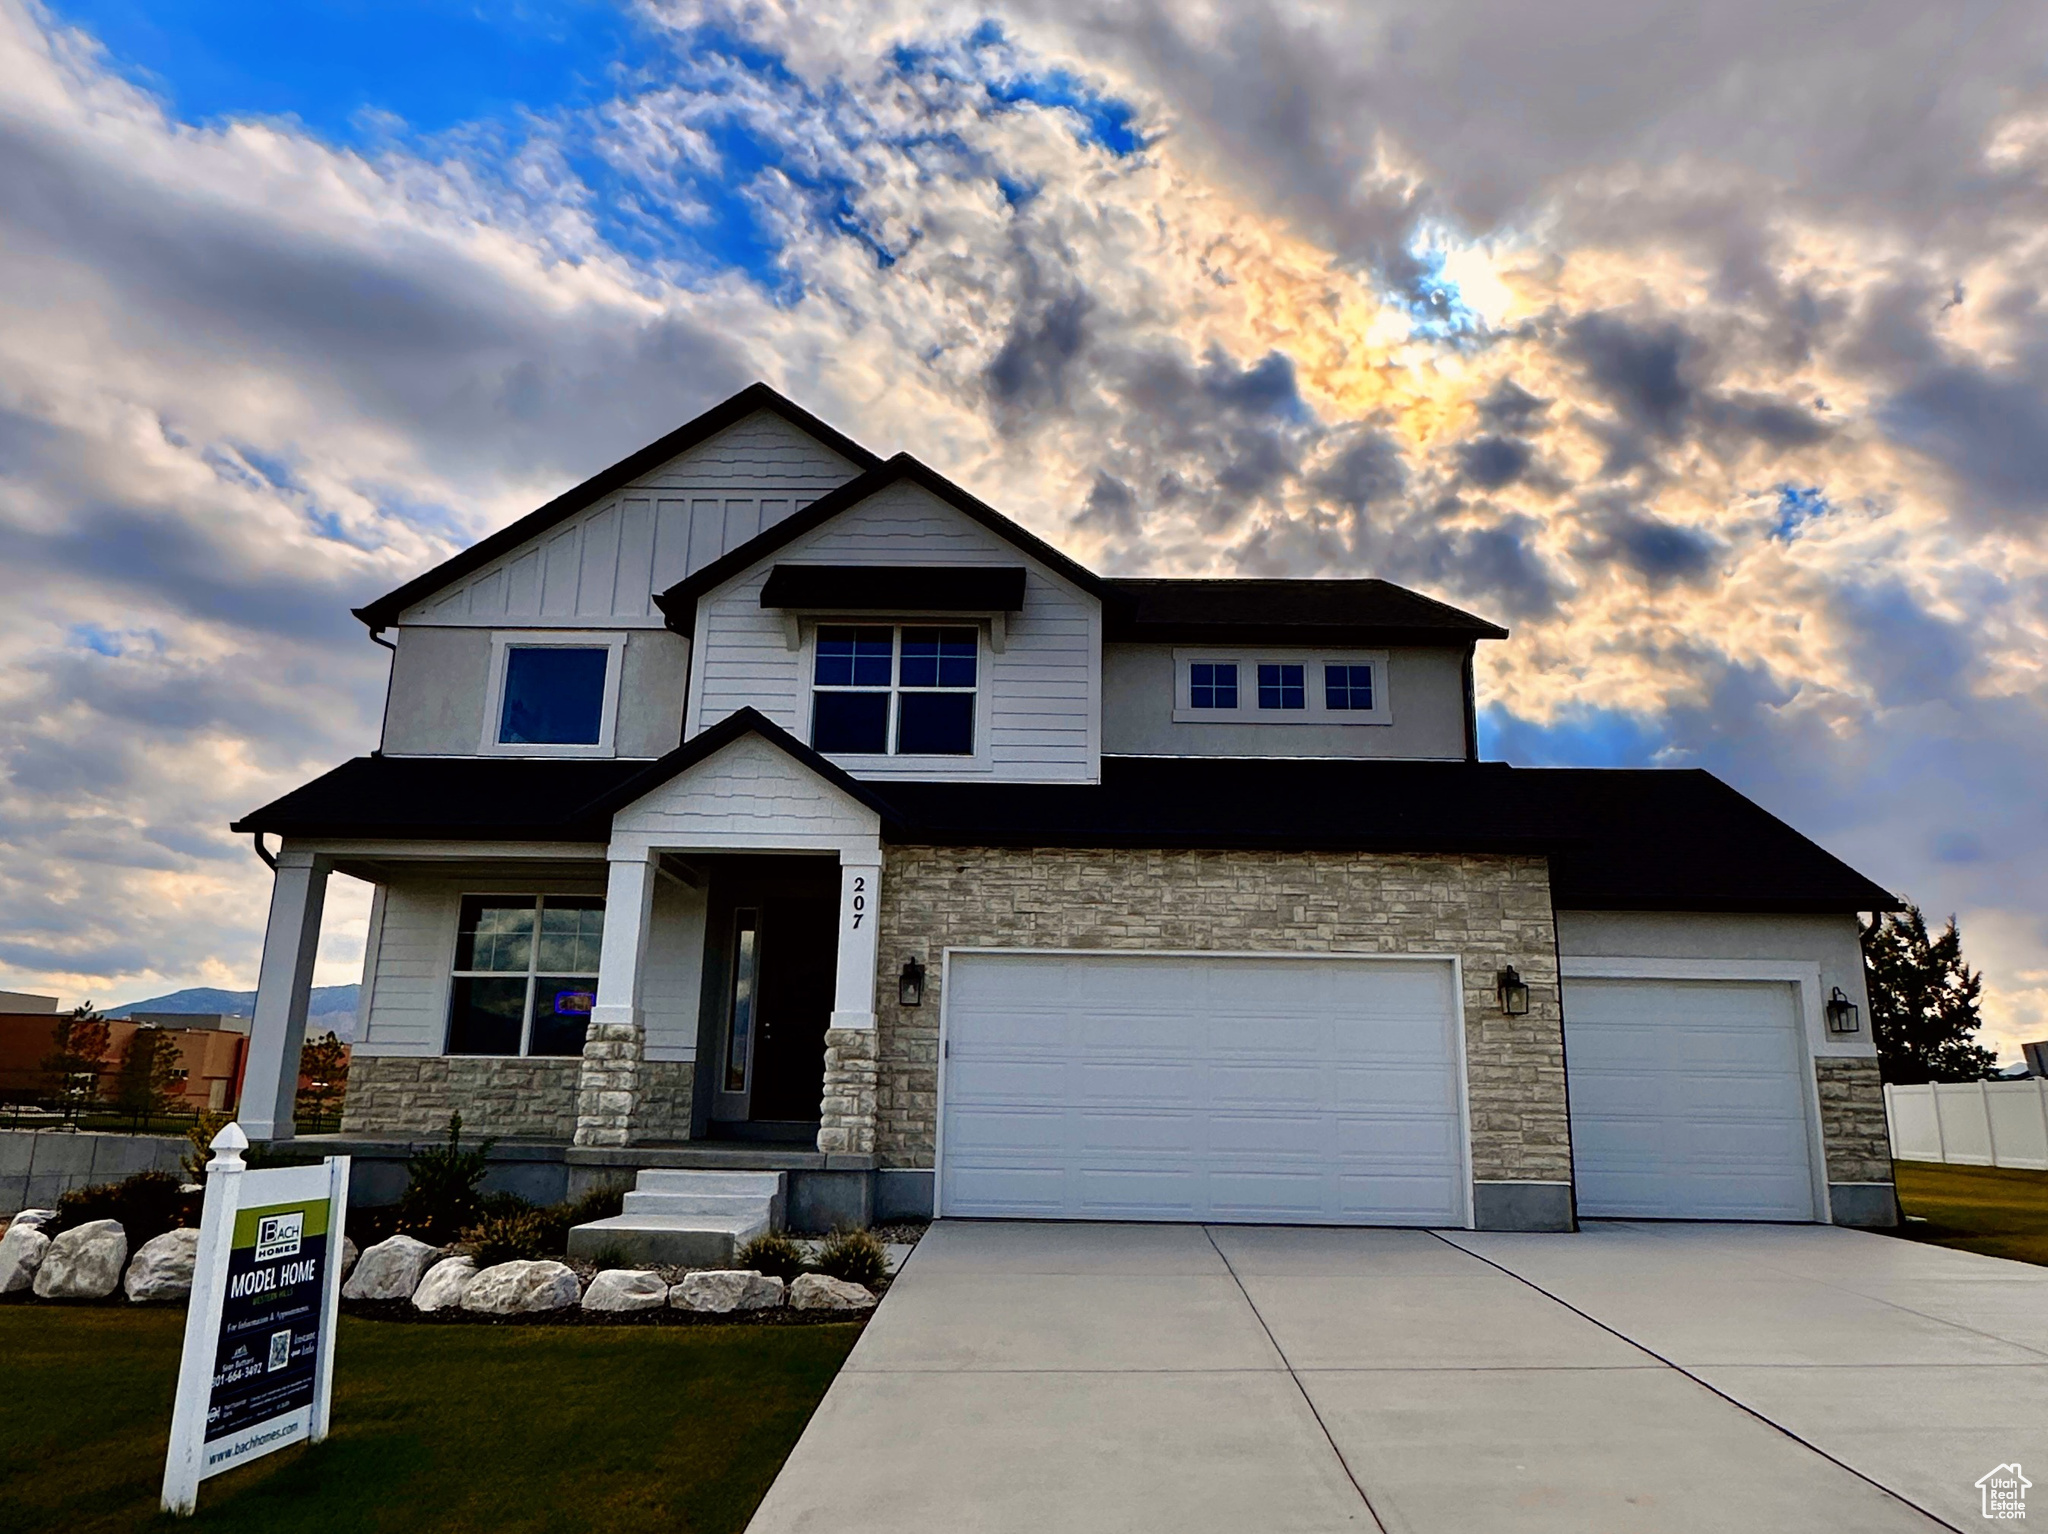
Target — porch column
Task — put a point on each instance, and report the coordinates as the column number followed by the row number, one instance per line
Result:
column 284, row 985
column 608, row 1088
column 846, row 1114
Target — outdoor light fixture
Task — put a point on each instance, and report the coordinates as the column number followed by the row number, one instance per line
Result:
column 1842, row 1015
column 910, row 984
column 1512, row 991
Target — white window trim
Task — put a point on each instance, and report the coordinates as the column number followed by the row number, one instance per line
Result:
column 908, row 766
column 506, row 640
column 1312, row 662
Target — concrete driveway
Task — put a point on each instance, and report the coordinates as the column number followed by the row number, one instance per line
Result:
column 1631, row 1377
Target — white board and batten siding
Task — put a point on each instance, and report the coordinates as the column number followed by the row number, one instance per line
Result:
column 602, row 566
column 1044, row 688
column 1284, row 1088
column 745, row 797
column 410, row 957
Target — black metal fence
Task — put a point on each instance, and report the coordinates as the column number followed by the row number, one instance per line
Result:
column 41, row 1099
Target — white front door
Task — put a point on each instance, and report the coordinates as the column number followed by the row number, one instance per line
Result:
column 1689, row 1099
column 1127, row 1086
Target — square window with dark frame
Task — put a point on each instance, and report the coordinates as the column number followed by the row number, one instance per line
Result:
column 1282, row 685
column 886, row 691
column 554, row 695
column 1347, row 688
column 525, row 974
column 1212, row 684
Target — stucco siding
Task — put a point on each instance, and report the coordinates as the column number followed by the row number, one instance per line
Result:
column 1426, row 688
column 1489, row 911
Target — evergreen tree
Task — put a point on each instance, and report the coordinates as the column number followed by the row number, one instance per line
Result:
column 324, row 1073
column 78, row 1056
column 1923, row 1001
column 148, row 1077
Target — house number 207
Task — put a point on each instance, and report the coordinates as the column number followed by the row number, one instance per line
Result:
column 860, row 898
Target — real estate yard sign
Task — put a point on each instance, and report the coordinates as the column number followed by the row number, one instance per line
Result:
column 258, row 1368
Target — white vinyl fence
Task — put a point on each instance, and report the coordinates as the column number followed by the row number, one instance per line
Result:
column 1971, row 1123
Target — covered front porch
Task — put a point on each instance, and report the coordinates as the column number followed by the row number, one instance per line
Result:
column 702, row 978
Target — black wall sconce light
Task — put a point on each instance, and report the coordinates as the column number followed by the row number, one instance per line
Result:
column 910, row 984
column 1512, row 991
column 1843, row 1016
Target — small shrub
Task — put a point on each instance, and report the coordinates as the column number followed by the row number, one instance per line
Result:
column 441, row 1200
column 854, row 1256
column 515, row 1235
column 612, row 1257
column 147, row 1204
column 604, row 1202
column 774, row 1255
column 204, row 1128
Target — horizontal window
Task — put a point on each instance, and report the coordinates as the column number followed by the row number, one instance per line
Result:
column 1283, row 686
column 907, row 691
column 1347, row 687
column 525, row 974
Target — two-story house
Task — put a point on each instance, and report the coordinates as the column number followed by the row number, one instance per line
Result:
column 765, row 797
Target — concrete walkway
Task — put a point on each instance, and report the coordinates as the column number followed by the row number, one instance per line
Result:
column 1629, row 1378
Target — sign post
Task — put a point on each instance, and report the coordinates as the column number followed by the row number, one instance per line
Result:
column 258, row 1367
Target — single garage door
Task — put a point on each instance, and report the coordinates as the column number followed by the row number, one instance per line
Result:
column 1104, row 1086
column 1688, row 1099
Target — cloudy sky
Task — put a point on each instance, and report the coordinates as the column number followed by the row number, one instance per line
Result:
column 1703, row 345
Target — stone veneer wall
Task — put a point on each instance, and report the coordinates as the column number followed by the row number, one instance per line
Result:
column 511, row 1097
column 1852, row 1120
column 846, row 1115
column 1492, row 911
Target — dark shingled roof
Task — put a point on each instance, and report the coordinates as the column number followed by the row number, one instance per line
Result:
column 1653, row 839
column 1285, row 612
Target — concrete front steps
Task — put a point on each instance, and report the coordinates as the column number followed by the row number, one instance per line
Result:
column 678, row 1218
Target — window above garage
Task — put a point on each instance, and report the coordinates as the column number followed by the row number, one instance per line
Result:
column 1285, row 687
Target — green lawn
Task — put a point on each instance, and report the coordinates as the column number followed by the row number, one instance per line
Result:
column 443, row 1428
column 1998, row 1211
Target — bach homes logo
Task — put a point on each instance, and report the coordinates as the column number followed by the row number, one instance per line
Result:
column 278, row 1235
column 2005, row 1493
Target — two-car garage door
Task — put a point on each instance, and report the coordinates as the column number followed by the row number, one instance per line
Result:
column 1320, row 1089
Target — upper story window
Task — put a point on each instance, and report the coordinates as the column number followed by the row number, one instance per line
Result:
column 1334, row 688
column 525, row 974
column 1212, row 684
column 1283, row 685
column 879, row 690
column 553, row 694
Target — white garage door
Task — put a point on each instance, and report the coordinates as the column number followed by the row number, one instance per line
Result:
column 1165, row 1087
column 1689, row 1099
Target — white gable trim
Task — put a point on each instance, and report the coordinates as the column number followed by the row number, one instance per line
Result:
column 605, row 563
column 748, row 796
column 1045, row 683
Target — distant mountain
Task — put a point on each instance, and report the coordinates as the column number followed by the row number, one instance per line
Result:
column 332, row 1007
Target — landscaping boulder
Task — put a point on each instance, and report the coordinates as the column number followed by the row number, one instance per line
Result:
column 34, row 1219
column 518, row 1288
column 21, row 1253
column 814, row 1291
column 162, row 1267
column 443, row 1287
column 349, row 1254
column 84, row 1263
column 390, row 1270
column 626, row 1289
column 719, row 1292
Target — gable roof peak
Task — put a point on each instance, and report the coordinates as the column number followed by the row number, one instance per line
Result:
column 751, row 400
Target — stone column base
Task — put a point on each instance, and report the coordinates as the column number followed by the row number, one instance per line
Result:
column 846, row 1115
column 608, row 1090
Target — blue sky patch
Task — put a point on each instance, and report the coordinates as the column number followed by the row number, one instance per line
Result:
column 1798, row 506
column 1591, row 737
column 336, row 64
